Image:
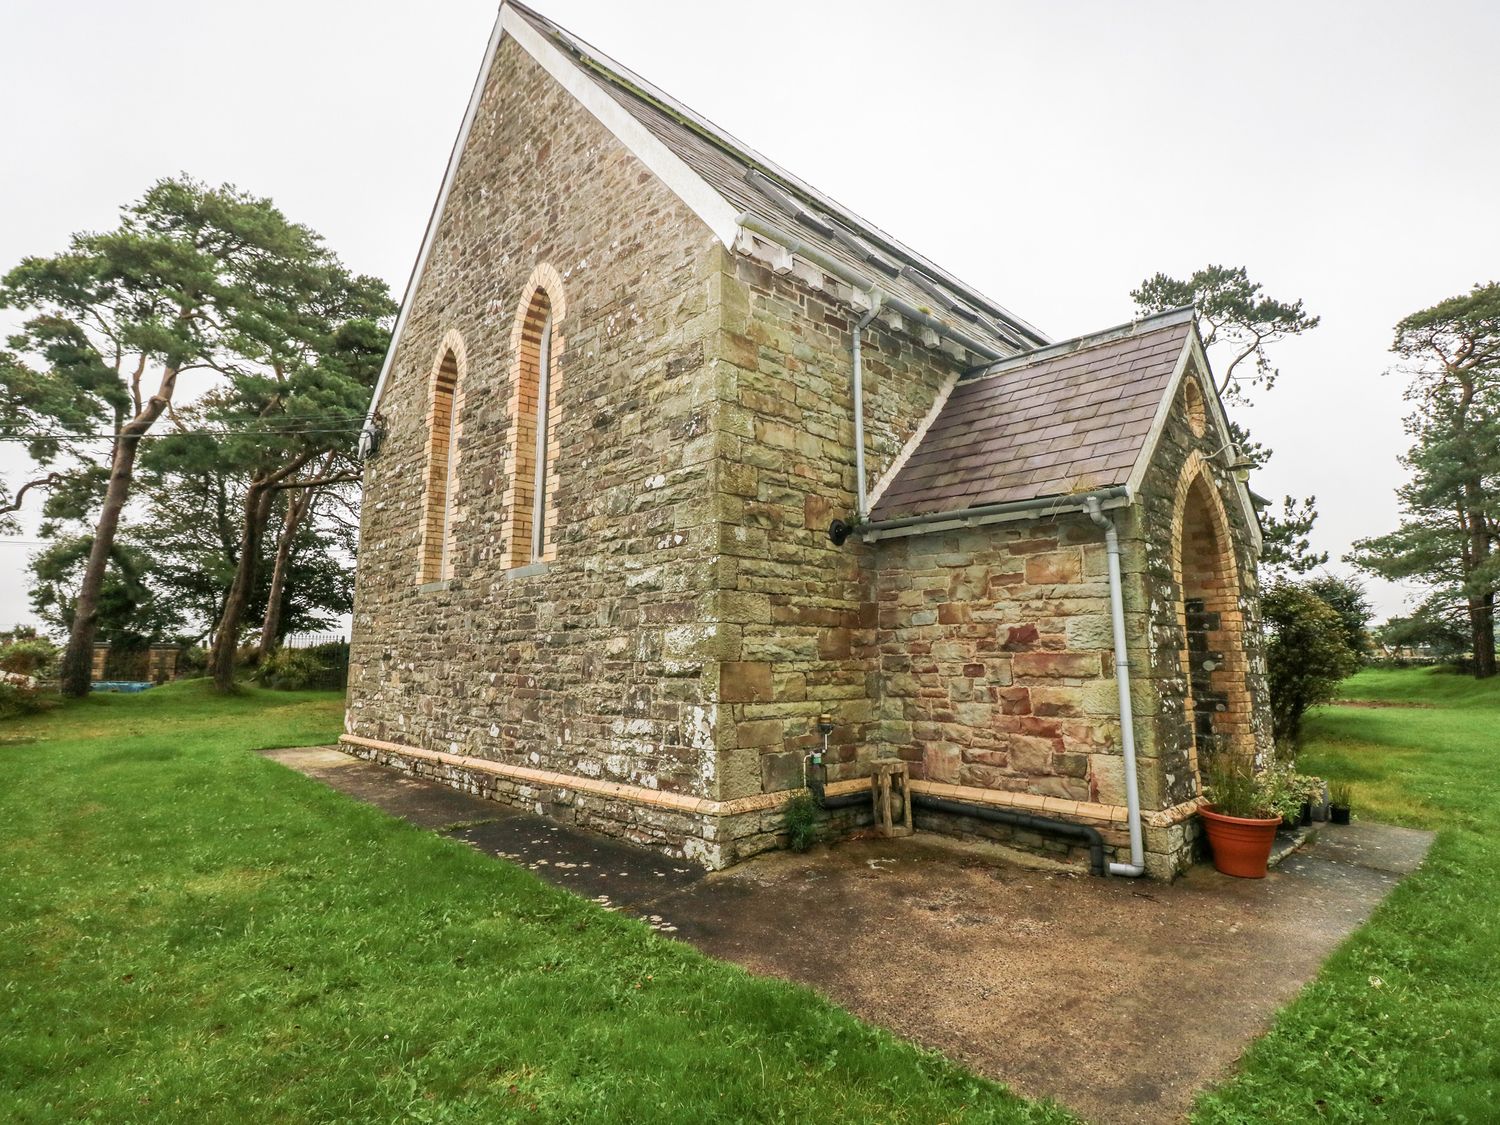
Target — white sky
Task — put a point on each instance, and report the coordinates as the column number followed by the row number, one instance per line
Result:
column 1051, row 154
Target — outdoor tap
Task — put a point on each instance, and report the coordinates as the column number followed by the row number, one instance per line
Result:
column 815, row 757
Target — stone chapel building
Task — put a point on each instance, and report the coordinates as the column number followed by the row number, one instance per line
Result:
column 673, row 455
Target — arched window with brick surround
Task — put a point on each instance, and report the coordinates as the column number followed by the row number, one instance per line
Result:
column 439, row 480
column 530, row 528
column 1217, row 705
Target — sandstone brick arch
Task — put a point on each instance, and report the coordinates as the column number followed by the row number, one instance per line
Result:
column 1217, row 704
column 445, row 383
column 535, row 337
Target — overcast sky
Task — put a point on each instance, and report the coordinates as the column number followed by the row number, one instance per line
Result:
column 1051, row 154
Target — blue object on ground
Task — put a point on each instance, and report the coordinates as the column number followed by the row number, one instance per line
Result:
column 122, row 685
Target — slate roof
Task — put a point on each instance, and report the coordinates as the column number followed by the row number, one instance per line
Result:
column 750, row 182
column 1070, row 417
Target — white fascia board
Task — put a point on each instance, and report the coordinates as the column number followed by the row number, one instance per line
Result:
column 1159, row 420
column 459, row 144
column 716, row 212
column 1216, row 408
column 1193, row 356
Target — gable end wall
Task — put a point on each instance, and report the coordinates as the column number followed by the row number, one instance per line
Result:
column 601, row 667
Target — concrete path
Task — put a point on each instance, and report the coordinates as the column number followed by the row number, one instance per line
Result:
column 1119, row 998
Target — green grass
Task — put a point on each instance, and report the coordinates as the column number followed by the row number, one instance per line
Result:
column 193, row 933
column 1403, row 1023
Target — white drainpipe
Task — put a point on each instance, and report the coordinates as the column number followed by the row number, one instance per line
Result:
column 1137, row 864
column 861, row 489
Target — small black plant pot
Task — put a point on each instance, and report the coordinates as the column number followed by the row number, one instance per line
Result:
column 1306, row 817
column 1338, row 814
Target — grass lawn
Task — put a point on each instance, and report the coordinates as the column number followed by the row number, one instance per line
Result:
column 1403, row 1024
column 193, row 933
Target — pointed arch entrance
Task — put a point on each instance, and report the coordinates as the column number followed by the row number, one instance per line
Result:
column 1216, row 705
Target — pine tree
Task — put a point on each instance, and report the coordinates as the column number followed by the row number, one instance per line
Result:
column 1449, row 538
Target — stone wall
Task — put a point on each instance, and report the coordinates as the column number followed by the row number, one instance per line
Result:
column 798, row 613
column 996, row 664
column 598, row 663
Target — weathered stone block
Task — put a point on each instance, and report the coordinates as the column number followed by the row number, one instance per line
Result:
column 743, row 681
column 1046, row 665
column 1059, row 702
column 1054, row 568
column 1031, row 756
column 758, row 732
column 780, row 771
column 1107, row 778
column 941, row 761
column 1089, row 631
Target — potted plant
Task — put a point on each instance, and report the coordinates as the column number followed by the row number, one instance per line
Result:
column 1338, row 803
column 1310, row 789
column 1245, row 812
column 1319, row 799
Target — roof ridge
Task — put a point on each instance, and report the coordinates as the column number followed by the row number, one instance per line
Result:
column 1149, row 323
column 597, row 62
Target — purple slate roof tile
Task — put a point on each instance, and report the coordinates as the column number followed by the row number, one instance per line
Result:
column 1076, row 417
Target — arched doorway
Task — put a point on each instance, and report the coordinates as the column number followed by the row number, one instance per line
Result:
column 1217, row 702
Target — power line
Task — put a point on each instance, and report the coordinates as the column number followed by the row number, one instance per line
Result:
column 256, row 432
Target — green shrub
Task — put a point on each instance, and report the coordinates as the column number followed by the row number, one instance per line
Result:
column 319, row 668
column 29, row 656
column 192, row 662
column 19, row 699
column 1307, row 657
column 801, row 820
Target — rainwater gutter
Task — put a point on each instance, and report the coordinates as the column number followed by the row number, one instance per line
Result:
column 815, row 778
column 1137, row 864
column 1115, row 496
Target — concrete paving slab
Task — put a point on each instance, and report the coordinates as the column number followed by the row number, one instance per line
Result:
column 1119, row 998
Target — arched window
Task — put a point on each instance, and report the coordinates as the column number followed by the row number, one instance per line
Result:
column 437, row 493
column 1197, row 413
column 531, row 508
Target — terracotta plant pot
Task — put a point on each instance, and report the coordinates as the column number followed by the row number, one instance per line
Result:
column 1240, row 846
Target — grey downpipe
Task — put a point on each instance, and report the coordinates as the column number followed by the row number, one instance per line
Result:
column 861, row 488
column 1137, row 864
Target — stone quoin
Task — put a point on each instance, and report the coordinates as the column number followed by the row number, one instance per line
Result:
column 596, row 578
